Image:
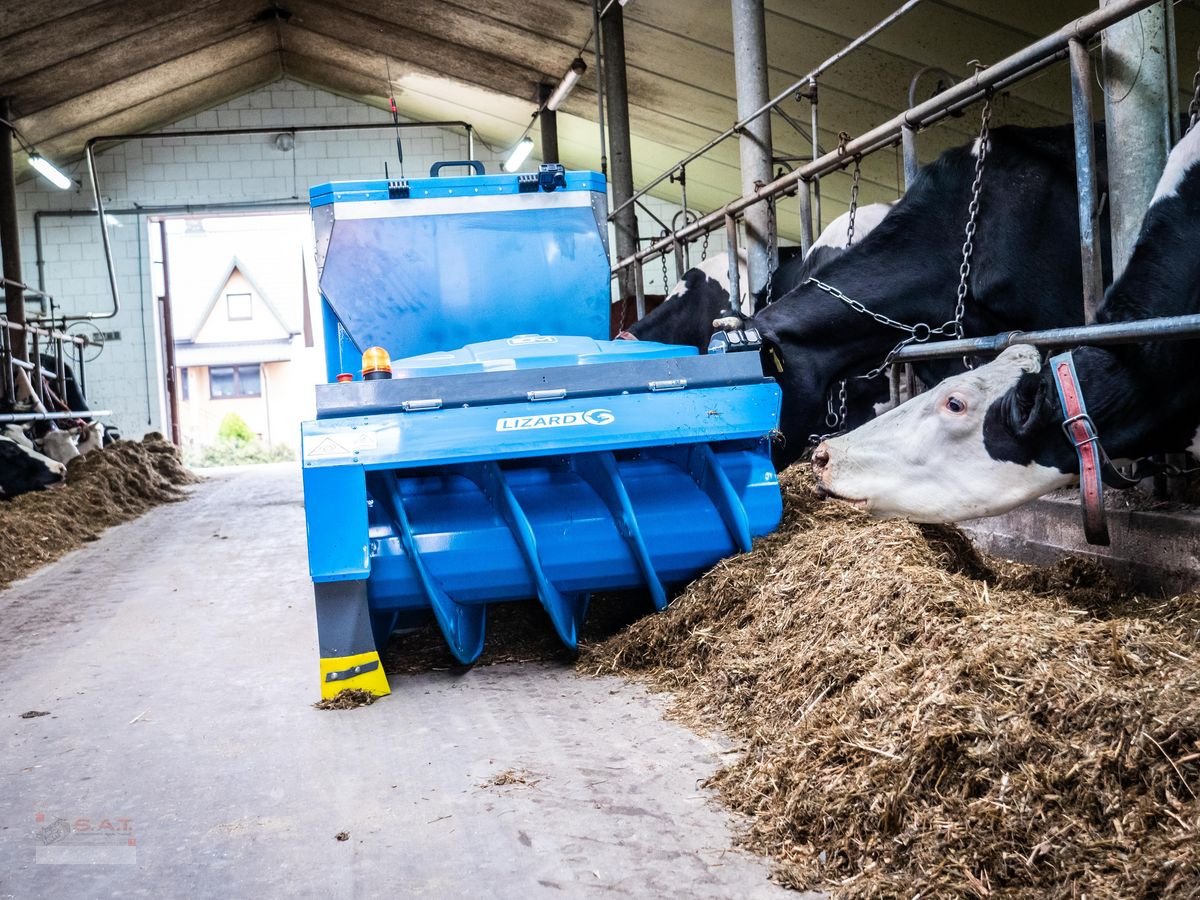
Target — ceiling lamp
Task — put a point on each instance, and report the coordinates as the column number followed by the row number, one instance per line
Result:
column 519, row 154
column 49, row 171
column 578, row 67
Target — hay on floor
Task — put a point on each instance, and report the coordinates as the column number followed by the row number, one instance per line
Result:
column 103, row 488
column 915, row 721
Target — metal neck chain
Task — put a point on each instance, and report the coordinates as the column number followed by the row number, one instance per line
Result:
column 771, row 242
column 968, row 247
column 704, row 247
column 1194, row 106
column 663, row 257
column 855, row 177
column 920, row 332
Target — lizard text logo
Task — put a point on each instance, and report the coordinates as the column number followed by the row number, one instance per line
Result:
column 556, row 420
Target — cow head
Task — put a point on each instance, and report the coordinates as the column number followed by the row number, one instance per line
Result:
column 966, row 448
column 23, row 469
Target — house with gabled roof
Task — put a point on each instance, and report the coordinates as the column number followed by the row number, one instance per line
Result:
column 238, row 356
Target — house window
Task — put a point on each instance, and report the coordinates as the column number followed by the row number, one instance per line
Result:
column 234, row 381
column 239, row 307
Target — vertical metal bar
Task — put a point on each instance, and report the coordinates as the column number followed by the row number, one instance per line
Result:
column 735, row 286
column 599, row 87
column 169, row 340
column 470, row 143
column 7, row 384
column 548, row 120
column 639, row 290
column 804, row 193
column 60, row 381
column 80, row 378
column 10, row 236
column 1085, row 179
column 37, row 366
column 816, row 154
column 894, row 384
column 912, row 165
column 1172, row 42
column 1135, row 107
column 679, row 265
column 754, row 141
column 617, row 91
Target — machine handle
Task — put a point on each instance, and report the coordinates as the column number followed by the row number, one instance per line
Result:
column 437, row 167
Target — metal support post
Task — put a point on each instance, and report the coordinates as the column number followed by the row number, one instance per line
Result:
column 169, row 341
column 617, row 100
column 754, row 141
column 10, row 237
column 1085, row 176
column 1135, row 108
column 548, row 120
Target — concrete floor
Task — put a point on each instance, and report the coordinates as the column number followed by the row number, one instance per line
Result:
column 176, row 657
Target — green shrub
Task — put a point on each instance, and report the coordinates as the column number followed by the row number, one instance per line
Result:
column 234, row 430
column 236, row 453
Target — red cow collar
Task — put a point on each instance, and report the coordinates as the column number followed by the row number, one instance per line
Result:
column 1081, row 432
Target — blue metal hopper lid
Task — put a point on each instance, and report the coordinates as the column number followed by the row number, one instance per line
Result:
column 533, row 351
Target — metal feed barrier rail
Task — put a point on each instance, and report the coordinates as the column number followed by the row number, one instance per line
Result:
column 35, row 337
column 1070, row 41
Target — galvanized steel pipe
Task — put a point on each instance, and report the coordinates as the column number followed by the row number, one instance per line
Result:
column 754, row 141
column 1024, row 62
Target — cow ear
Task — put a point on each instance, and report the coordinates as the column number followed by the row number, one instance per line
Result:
column 1027, row 405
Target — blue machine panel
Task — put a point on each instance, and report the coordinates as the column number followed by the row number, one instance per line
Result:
column 458, row 260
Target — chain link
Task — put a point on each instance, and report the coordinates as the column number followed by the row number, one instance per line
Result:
column 968, row 247
column 920, row 332
column 773, row 243
column 855, row 177
column 664, row 264
column 704, row 247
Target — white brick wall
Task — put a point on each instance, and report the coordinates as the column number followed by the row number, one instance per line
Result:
column 224, row 171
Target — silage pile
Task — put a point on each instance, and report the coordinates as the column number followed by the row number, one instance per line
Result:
column 104, row 488
column 914, row 722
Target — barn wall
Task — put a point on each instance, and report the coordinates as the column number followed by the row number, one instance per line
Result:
column 215, row 170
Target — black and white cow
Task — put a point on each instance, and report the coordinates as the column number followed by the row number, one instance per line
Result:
column 701, row 297
column 989, row 440
column 1025, row 272
column 23, row 469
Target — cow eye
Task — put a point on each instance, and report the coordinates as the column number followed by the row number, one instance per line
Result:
column 956, row 404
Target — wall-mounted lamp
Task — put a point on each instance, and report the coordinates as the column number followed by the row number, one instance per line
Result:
column 48, row 171
column 44, row 167
column 519, row 154
column 578, row 67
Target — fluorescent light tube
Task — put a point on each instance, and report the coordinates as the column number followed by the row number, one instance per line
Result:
column 519, row 154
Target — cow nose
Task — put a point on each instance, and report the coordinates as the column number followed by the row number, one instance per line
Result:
column 820, row 458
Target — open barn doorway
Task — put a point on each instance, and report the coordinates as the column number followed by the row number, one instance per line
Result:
column 237, row 295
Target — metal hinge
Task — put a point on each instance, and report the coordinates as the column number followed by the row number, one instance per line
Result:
column 420, row 405
column 674, row 384
column 554, row 394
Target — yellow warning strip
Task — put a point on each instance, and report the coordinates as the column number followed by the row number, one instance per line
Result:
column 374, row 680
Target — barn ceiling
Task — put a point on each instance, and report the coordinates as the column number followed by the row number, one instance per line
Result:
column 78, row 68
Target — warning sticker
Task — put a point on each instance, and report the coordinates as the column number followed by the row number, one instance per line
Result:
column 339, row 444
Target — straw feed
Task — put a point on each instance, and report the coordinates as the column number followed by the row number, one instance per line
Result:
column 916, row 720
column 103, row 488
